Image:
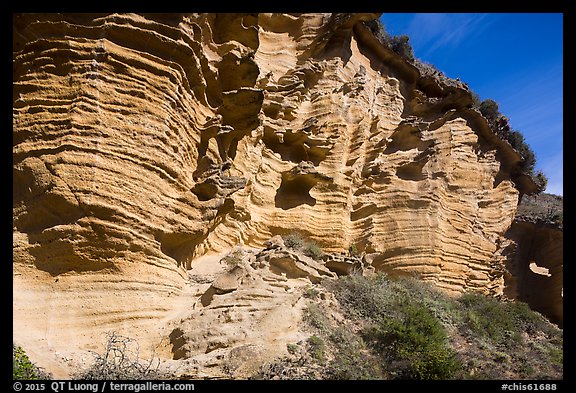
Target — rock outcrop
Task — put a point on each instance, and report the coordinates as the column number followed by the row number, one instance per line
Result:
column 143, row 142
column 247, row 314
column 536, row 256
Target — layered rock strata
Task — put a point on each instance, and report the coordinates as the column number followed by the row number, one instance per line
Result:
column 142, row 142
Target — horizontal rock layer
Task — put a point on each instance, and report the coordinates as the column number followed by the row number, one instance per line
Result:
column 143, row 142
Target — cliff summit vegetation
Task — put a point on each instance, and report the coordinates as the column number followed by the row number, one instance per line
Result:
column 489, row 108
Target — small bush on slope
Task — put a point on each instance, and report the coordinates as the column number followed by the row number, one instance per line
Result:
column 23, row 368
column 406, row 329
column 414, row 346
column 510, row 339
column 410, row 340
column 296, row 242
column 121, row 361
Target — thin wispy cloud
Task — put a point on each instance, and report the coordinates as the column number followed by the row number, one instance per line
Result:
column 534, row 105
column 429, row 32
column 538, row 121
column 495, row 55
column 554, row 168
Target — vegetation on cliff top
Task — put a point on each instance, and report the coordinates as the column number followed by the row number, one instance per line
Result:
column 544, row 208
column 488, row 108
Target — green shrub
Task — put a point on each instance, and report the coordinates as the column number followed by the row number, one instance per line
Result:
column 501, row 322
column 351, row 359
column 352, row 250
column 542, row 181
column 312, row 250
column 362, row 297
column 556, row 355
column 379, row 30
column 316, row 348
column 401, row 45
column 489, row 109
column 403, row 324
column 293, row 240
column 292, row 348
column 311, row 293
column 500, row 125
column 315, row 317
column 297, row 243
column 557, row 217
column 233, row 259
column 417, row 343
column 404, row 328
column 23, row 368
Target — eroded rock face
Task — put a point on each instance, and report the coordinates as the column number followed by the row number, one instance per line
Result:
column 536, row 256
column 143, row 142
column 536, row 268
column 246, row 313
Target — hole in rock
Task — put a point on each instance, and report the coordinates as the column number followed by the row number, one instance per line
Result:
column 539, row 269
column 179, row 245
column 295, row 147
column 205, row 191
column 406, row 137
column 295, row 191
column 411, row 171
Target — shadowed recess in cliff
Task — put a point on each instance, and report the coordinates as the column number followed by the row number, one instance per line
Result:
column 75, row 248
column 406, row 137
column 535, row 268
column 296, row 146
column 296, row 185
column 295, row 191
column 180, row 245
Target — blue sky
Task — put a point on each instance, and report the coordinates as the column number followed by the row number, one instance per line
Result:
column 516, row 59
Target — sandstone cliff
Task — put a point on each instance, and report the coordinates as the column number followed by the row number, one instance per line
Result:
column 145, row 146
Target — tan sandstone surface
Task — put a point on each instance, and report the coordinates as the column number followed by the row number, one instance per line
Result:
column 147, row 147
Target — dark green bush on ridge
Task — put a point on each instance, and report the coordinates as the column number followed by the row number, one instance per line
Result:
column 499, row 123
column 416, row 343
column 399, row 44
column 488, row 108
